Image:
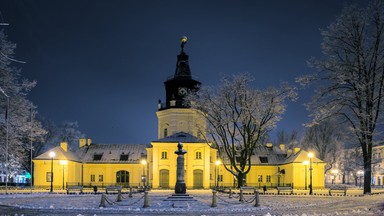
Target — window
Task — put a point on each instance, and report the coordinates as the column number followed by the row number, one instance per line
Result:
column 198, row 155
column 164, row 155
column 263, row 159
column 124, row 157
column 122, row 176
column 260, row 178
column 220, row 178
column 92, row 178
column 268, row 178
column 101, row 178
column 165, row 132
column 97, row 157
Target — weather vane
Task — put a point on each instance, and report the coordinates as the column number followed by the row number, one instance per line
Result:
column 183, row 42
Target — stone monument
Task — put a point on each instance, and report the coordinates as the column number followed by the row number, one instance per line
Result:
column 180, row 187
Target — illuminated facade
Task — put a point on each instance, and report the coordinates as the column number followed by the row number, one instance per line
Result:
column 155, row 164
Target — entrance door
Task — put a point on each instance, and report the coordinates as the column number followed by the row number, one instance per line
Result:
column 164, row 179
column 197, row 179
column 122, row 178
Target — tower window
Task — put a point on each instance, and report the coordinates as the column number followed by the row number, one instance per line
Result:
column 164, row 155
column 165, row 132
column 198, row 155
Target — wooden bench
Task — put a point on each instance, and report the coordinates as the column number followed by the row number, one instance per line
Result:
column 338, row 189
column 279, row 189
column 112, row 188
column 248, row 190
column 74, row 188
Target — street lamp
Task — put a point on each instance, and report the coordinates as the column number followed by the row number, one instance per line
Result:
column 360, row 173
column 218, row 162
column 305, row 163
column 334, row 174
column 310, row 155
column 52, row 155
column 143, row 179
column 63, row 162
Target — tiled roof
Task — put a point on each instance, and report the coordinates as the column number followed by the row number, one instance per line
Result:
column 112, row 153
column 181, row 137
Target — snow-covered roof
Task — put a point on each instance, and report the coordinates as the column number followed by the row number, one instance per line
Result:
column 181, row 137
column 60, row 155
column 112, row 153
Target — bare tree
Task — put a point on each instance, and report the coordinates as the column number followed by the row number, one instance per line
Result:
column 352, row 76
column 289, row 139
column 326, row 139
column 238, row 117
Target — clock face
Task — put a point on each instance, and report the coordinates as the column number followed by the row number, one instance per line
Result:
column 182, row 91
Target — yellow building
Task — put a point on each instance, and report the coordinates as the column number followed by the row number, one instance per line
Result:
column 155, row 164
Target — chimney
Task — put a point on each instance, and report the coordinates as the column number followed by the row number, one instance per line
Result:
column 89, row 141
column 64, row 146
column 282, row 147
column 82, row 142
column 296, row 150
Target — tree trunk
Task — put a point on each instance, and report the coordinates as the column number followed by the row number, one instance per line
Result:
column 240, row 180
column 367, row 175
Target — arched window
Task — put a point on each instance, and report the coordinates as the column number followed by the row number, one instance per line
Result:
column 122, row 176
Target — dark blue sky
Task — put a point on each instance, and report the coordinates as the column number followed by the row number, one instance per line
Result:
column 103, row 63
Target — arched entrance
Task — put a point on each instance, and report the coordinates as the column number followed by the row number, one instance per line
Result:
column 197, row 179
column 164, row 179
column 122, row 178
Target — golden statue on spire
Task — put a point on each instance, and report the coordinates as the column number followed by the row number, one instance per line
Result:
column 183, row 42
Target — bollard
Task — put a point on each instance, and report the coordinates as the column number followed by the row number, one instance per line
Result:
column 230, row 193
column 146, row 200
column 241, row 199
column 102, row 202
column 119, row 196
column 257, row 199
column 214, row 199
column 130, row 192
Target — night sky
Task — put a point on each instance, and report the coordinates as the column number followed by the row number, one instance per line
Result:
column 103, row 63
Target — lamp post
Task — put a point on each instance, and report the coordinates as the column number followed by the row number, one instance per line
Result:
column 310, row 155
column 305, row 163
column 52, row 155
column 143, row 179
column 63, row 162
column 6, row 141
column 360, row 173
column 218, row 162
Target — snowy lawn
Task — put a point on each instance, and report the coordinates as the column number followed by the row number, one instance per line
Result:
column 269, row 204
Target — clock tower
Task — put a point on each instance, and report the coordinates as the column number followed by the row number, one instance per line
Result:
column 173, row 115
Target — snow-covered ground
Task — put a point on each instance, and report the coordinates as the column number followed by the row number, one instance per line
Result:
column 89, row 204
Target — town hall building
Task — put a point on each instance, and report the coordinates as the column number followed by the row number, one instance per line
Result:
column 154, row 164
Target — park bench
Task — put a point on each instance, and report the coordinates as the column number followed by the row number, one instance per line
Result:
column 281, row 189
column 74, row 188
column 338, row 189
column 248, row 190
column 112, row 188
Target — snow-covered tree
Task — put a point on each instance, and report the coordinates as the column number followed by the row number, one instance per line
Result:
column 238, row 116
column 18, row 125
column 326, row 140
column 351, row 76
